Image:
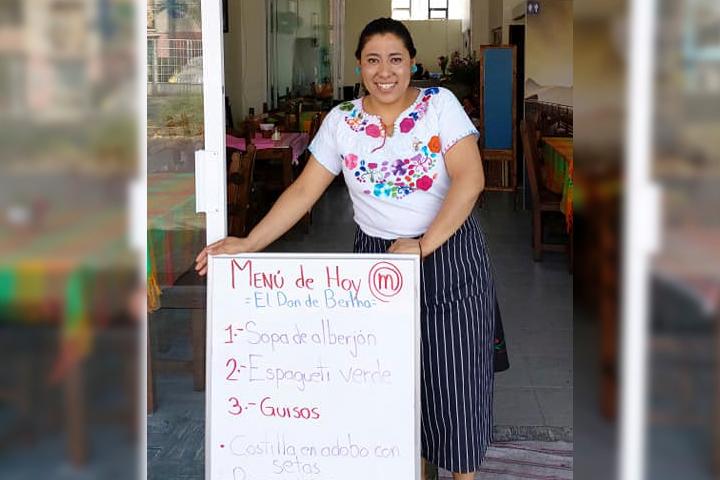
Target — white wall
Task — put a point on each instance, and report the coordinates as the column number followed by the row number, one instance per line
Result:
column 549, row 50
column 245, row 51
column 508, row 6
column 480, row 15
column 500, row 15
column 357, row 14
column 495, row 14
column 246, row 56
column 233, row 62
column 467, row 16
column 433, row 38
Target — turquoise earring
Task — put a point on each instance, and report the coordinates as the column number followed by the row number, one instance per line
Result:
column 357, row 70
column 413, row 69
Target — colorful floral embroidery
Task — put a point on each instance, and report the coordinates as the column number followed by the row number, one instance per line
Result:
column 359, row 121
column 346, row 106
column 398, row 168
column 351, row 161
column 421, row 107
column 401, row 177
column 373, row 130
column 406, row 125
column 425, row 183
column 355, row 118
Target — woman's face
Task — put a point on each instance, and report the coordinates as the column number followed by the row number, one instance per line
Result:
column 385, row 64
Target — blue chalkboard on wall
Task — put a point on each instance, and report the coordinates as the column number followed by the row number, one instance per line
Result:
column 498, row 96
column 497, row 116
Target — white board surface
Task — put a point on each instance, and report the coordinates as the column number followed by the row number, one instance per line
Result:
column 313, row 367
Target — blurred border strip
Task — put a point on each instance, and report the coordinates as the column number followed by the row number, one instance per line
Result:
column 139, row 227
column 641, row 222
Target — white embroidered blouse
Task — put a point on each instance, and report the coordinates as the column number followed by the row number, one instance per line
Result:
column 397, row 183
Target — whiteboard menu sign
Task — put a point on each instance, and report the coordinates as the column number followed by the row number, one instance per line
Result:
column 313, row 367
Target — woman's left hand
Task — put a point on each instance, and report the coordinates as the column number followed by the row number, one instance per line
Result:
column 405, row 245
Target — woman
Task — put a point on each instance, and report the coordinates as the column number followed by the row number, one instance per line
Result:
column 413, row 169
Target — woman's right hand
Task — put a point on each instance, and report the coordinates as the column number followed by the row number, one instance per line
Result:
column 228, row 245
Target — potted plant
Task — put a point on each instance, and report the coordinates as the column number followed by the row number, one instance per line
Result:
column 463, row 74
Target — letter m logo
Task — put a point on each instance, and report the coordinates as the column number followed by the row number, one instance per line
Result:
column 386, row 282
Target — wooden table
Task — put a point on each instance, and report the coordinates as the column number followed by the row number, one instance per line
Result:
column 559, row 172
column 296, row 142
column 287, row 150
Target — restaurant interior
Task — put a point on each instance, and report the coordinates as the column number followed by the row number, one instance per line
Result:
column 515, row 65
column 287, row 63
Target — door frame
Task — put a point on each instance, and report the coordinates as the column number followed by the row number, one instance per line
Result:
column 210, row 177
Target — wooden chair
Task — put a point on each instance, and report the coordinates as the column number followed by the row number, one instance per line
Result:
column 303, row 159
column 189, row 294
column 239, row 189
column 543, row 200
column 315, row 124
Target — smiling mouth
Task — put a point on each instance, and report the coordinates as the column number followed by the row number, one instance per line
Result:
column 385, row 87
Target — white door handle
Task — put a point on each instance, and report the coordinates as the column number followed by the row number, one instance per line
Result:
column 207, row 175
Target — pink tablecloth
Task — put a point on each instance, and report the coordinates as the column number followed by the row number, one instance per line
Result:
column 297, row 141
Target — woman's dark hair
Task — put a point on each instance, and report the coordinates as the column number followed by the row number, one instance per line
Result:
column 381, row 26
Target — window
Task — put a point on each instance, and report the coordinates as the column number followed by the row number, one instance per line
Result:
column 174, row 60
column 438, row 9
column 430, row 9
column 401, row 10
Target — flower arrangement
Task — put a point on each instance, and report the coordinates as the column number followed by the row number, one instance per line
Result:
column 465, row 70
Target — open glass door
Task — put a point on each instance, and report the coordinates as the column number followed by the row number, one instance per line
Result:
column 186, row 175
column 184, row 114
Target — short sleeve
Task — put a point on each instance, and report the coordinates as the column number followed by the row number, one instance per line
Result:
column 324, row 145
column 454, row 122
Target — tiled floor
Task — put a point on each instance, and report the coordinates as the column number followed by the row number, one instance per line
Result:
column 536, row 302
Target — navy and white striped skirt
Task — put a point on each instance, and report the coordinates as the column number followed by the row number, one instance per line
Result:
column 457, row 303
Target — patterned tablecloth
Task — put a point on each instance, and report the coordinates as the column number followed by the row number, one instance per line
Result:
column 73, row 266
column 176, row 234
column 297, row 141
column 559, row 172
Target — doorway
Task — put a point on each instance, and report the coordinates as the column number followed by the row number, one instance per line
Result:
column 299, row 49
column 517, row 38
